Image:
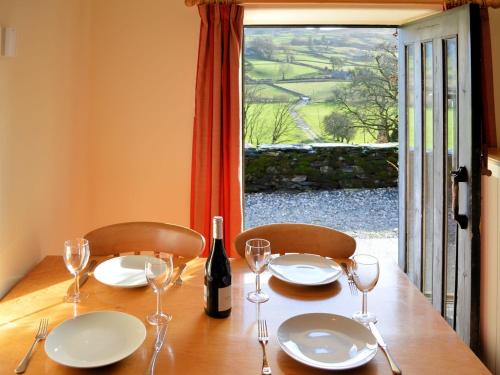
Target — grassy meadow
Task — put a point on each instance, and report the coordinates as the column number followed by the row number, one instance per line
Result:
column 289, row 64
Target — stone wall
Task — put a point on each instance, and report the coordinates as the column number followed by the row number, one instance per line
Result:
column 320, row 166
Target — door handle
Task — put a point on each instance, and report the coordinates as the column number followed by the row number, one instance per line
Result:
column 459, row 175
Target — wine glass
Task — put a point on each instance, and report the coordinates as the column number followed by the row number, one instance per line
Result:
column 365, row 271
column 159, row 274
column 257, row 254
column 76, row 256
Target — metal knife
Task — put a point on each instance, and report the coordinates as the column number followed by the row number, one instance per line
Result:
column 394, row 366
column 158, row 344
column 85, row 276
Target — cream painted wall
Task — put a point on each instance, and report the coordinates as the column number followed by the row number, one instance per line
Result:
column 143, row 68
column 490, row 240
column 96, row 115
column 43, row 131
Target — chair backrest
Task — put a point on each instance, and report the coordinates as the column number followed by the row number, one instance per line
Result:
column 145, row 236
column 300, row 238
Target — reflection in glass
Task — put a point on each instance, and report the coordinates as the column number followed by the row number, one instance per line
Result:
column 451, row 118
column 410, row 155
column 428, row 175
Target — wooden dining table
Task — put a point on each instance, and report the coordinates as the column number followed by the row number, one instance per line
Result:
column 420, row 340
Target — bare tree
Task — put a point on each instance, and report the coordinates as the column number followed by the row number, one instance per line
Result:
column 282, row 122
column 252, row 116
column 370, row 101
column 260, row 126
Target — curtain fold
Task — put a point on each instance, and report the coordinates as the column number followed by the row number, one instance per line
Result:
column 217, row 139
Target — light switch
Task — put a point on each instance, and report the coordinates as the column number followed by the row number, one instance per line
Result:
column 8, row 42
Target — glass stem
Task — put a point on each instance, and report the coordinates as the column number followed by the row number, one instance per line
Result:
column 158, row 303
column 365, row 304
column 257, row 283
column 77, row 284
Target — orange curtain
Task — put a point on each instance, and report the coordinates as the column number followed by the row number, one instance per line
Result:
column 217, row 150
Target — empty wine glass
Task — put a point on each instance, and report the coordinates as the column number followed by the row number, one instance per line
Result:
column 365, row 271
column 76, row 255
column 159, row 274
column 257, row 254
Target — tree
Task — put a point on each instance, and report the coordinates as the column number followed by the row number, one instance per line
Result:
column 284, row 69
column 263, row 47
column 252, row 116
column 265, row 122
column 282, row 123
column 370, row 101
column 339, row 127
column 336, row 63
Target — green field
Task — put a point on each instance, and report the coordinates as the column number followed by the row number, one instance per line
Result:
column 264, row 69
column 267, row 92
column 317, row 91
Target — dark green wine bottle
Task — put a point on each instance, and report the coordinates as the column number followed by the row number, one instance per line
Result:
column 217, row 290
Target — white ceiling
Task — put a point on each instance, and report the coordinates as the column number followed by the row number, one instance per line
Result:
column 335, row 14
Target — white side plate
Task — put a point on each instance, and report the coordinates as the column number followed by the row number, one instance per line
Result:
column 125, row 271
column 95, row 339
column 305, row 269
column 327, row 341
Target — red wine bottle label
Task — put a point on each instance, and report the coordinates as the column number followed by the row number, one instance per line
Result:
column 225, row 298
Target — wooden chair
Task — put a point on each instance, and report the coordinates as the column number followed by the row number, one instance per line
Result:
column 145, row 236
column 300, row 238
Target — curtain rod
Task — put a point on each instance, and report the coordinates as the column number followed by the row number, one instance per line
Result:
column 416, row 3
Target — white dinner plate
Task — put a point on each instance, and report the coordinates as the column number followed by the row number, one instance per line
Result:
column 95, row 339
column 305, row 269
column 327, row 341
column 125, row 271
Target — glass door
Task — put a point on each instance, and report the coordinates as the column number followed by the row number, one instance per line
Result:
column 440, row 163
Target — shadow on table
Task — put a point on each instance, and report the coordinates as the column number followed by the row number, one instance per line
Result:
column 305, row 293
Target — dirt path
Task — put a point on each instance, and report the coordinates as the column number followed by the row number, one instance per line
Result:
column 302, row 125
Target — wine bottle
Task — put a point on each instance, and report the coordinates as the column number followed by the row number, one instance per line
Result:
column 217, row 290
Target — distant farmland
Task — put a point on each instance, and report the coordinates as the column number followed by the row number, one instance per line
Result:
column 303, row 67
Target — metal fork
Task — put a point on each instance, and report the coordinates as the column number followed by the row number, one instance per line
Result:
column 350, row 279
column 178, row 280
column 263, row 337
column 41, row 334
